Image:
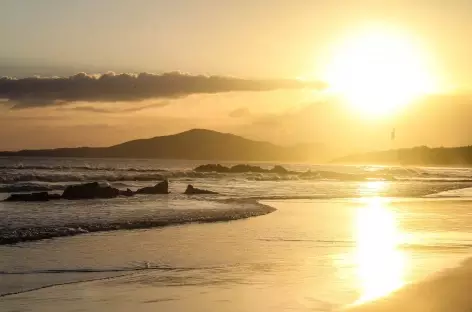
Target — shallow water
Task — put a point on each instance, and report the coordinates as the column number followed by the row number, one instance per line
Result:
column 308, row 255
column 32, row 221
column 340, row 245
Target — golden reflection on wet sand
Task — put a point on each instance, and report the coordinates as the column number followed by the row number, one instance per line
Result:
column 380, row 264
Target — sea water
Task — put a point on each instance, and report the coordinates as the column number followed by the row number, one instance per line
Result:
column 368, row 232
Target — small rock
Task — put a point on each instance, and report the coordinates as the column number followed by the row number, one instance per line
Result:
column 127, row 193
column 40, row 196
column 89, row 191
column 192, row 191
column 279, row 170
column 159, row 188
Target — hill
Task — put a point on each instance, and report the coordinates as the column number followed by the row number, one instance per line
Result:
column 196, row 144
column 422, row 155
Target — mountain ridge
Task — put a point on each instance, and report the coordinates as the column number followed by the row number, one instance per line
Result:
column 193, row 144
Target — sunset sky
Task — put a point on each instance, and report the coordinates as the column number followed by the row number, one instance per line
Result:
column 342, row 73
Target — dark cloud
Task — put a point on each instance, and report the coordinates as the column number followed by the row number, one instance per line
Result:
column 95, row 109
column 111, row 87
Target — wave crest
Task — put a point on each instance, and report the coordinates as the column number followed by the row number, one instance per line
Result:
column 244, row 209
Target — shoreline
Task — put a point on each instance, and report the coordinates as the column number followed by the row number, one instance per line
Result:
column 31, row 234
column 214, row 264
column 260, row 206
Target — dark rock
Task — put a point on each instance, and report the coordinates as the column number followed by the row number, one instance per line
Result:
column 279, row 170
column 192, row 190
column 127, row 193
column 212, row 168
column 159, row 188
column 89, row 191
column 40, row 196
column 54, row 196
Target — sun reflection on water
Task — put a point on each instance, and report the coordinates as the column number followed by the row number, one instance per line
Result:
column 372, row 188
column 380, row 264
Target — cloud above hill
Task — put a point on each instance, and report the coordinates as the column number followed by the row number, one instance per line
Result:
column 111, row 87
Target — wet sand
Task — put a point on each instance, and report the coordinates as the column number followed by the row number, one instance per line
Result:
column 309, row 255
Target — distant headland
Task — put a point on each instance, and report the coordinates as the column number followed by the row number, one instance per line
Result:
column 195, row 144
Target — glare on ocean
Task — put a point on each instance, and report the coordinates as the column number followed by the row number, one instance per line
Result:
column 380, row 264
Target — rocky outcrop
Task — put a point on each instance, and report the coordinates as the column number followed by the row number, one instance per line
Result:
column 127, row 193
column 159, row 188
column 279, row 170
column 212, row 168
column 90, row 191
column 241, row 169
column 36, row 197
column 54, row 196
column 193, row 191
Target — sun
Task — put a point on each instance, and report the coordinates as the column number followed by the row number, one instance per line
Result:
column 379, row 71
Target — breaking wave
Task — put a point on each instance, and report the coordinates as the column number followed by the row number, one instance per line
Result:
column 23, row 181
column 61, row 228
column 30, row 187
column 75, row 167
column 110, row 176
column 77, row 177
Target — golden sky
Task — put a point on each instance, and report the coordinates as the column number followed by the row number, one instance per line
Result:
column 402, row 64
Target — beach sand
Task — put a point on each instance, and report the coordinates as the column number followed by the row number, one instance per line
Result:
column 309, row 255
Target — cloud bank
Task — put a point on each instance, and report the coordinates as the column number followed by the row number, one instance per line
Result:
column 111, row 87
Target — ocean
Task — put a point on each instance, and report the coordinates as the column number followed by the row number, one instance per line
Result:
column 319, row 238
